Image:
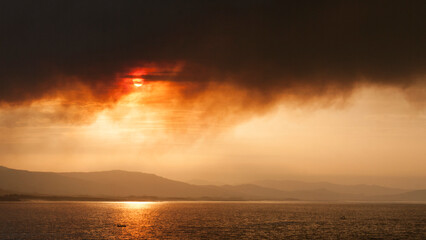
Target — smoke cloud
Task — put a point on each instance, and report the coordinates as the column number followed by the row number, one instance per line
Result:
column 88, row 51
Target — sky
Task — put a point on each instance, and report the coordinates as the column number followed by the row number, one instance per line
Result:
column 216, row 91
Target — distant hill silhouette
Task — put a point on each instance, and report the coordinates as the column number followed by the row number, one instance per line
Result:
column 362, row 189
column 123, row 183
column 3, row 192
column 259, row 192
column 108, row 183
column 43, row 182
column 417, row 195
column 136, row 185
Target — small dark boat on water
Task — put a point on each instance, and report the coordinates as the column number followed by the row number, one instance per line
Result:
column 342, row 218
column 121, row 225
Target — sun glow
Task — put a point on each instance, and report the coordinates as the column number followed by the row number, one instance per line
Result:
column 137, row 82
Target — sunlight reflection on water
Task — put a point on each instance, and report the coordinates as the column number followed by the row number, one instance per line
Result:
column 210, row 220
column 135, row 204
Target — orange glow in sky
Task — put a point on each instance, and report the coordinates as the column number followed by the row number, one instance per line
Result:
column 137, row 82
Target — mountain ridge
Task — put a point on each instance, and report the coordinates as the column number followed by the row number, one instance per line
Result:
column 121, row 184
column 363, row 189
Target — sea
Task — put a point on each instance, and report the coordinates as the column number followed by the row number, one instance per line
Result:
column 211, row 220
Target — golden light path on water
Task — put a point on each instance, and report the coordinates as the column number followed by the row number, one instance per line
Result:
column 137, row 204
column 228, row 220
column 132, row 219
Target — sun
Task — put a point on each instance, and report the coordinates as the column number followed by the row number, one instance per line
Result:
column 137, row 82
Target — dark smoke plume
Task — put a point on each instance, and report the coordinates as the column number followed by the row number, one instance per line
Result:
column 81, row 50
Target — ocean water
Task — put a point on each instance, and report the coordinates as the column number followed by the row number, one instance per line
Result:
column 211, row 220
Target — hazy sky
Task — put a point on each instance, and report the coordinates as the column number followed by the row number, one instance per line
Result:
column 375, row 132
column 222, row 91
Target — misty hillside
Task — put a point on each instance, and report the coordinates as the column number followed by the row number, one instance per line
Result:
column 109, row 183
column 258, row 192
column 123, row 183
column 135, row 184
column 360, row 189
column 417, row 195
column 3, row 192
column 44, row 183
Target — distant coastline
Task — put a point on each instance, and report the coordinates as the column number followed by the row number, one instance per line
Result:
column 117, row 185
column 30, row 198
column 26, row 197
